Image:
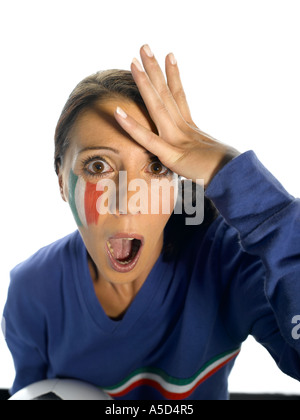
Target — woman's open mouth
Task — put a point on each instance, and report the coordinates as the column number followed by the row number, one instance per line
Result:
column 124, row 251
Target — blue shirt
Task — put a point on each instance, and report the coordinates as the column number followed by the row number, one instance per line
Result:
column 181, row 335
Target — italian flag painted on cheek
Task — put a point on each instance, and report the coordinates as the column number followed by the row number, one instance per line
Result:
column 83, row 197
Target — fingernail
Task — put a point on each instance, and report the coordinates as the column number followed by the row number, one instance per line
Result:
column 137, row 64
column 120, row 112
column 148, row 51
column 172, row 59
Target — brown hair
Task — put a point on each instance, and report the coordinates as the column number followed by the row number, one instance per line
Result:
column 99, row 86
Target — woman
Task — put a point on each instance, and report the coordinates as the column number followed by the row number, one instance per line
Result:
column 137, row 302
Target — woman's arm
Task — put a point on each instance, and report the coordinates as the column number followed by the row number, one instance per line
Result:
column 264, row 299
column 250, row 199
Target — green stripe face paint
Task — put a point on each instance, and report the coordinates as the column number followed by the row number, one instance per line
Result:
column 73, row 180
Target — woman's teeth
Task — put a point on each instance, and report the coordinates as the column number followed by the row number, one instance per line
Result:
column 110, row 248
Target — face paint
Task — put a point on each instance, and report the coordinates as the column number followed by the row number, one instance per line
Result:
column 83, row 197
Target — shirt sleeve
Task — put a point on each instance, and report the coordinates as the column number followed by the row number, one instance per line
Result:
column 267, row 220
column 24, row 331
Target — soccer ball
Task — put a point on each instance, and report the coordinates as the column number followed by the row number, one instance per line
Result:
column 60, row 389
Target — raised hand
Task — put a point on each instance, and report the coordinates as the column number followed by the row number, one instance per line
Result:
column 180, row 144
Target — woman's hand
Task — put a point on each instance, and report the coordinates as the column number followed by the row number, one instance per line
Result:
column 180, row 145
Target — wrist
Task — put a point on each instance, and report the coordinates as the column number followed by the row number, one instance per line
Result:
column 227, row 156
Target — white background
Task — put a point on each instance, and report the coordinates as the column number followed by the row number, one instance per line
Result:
column 240, row 65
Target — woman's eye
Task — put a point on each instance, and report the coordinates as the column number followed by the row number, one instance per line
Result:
column 157, row 168
column 98, row 167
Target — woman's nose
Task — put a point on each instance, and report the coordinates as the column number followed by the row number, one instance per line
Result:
column 132, row 194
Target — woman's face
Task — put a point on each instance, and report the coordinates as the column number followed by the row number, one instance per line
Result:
column 106, row 178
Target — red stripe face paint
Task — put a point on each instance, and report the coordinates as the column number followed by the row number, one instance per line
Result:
column 84, row 198
column 90, row 203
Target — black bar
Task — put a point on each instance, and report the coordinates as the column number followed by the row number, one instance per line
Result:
column 153, row 408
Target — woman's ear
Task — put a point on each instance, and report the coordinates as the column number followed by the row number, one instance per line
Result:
column 62, row 187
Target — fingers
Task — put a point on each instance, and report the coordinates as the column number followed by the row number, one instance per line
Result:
column 166, row 104
column 171, row 92
column 176, row 88
column 147, row 139
column 154, row 103
column 158, row 81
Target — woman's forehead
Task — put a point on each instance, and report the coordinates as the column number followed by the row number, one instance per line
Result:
column 98, row 126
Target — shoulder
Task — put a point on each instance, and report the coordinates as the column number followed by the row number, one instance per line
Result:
column 43, row 266
column 224, row 249
column 216, row 252
column 218, row 240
